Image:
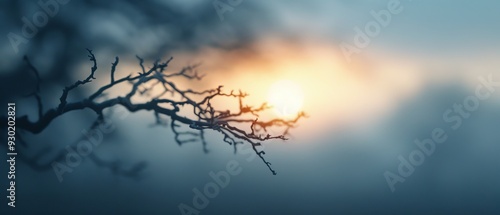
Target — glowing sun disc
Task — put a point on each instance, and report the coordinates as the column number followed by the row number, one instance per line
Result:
column 286, row 97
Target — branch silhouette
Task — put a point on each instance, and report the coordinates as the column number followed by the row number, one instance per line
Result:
column 237, row 127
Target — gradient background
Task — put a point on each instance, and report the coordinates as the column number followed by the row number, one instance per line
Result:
column 363, row 115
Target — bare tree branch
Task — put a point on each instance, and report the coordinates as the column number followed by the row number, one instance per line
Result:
column 238, row 127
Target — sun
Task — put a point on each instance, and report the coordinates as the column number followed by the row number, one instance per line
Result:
column 286, row 97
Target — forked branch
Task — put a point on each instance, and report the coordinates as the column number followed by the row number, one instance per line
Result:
column 165, row 101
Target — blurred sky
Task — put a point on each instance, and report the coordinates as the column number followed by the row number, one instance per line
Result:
column 363, row 114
